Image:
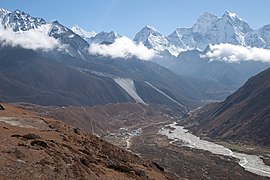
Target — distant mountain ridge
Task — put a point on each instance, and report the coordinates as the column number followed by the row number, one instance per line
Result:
column 208, row 29
column 231, row 75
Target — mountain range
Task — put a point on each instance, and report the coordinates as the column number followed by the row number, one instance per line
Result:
column 125, row 79
column 71, row 76
column 189, row 51
column 208, row 29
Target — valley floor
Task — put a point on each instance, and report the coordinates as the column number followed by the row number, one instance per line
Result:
column 186, row 162
column 136, row 128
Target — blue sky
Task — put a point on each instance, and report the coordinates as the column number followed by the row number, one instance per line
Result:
column 127, row 17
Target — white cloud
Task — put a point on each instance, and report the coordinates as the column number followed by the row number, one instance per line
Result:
column 236, row 53
column 32, row 39
column 123, row 48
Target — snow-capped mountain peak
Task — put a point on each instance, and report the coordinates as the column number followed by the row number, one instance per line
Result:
column 104, row 37
column 20, row 21
column 28, row 27
column 210, row 29
column 114, row 34
column 150, row 29
column 145, row 33
column 231, row 15
column 77, row 44
column 204, row 22
column 3, row 12
column 83, row 33
column 152, row 38
column 236, row 21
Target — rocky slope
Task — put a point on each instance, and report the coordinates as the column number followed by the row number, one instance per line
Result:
column 42, row 148
column 31, row 77
column 26, row 76
column 242, row 117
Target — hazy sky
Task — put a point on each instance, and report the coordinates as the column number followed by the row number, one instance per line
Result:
column 127, row 17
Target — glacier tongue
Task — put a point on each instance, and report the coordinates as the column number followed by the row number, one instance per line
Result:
column 129, row 86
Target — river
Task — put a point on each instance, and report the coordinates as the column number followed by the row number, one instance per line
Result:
column 251, row 163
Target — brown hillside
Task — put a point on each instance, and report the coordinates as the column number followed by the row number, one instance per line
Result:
column 244, row 116
column 40, row 148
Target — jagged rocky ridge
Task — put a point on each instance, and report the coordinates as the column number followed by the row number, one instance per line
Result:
column 208, row 29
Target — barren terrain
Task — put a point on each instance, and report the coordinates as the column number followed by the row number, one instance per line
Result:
column 135, row 127
column 33, row 147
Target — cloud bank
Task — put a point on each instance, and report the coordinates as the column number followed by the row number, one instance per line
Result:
column 236, row 53
column 33, row 39
column 123, row 48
